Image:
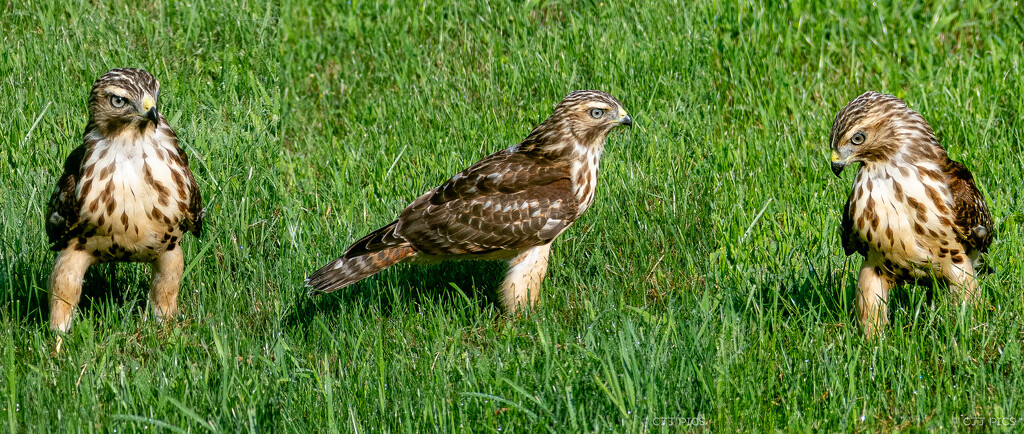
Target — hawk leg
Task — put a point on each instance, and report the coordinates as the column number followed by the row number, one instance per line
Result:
column 873, row 296
column 526, row 271
column 163, row 291
column 66, row 286
column 964, row 282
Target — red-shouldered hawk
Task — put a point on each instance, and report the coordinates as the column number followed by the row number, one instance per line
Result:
column 913, row 213
column 126, row 195
column 508, row 206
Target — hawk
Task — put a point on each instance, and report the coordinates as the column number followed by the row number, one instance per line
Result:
column 913, row 213
column 126, row 195
column 508, row 206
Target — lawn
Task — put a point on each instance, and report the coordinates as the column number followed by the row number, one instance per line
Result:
column 706, row 289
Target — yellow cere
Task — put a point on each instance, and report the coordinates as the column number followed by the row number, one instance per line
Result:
column 148, row 103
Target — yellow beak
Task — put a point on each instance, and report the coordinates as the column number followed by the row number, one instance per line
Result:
column 149, row 109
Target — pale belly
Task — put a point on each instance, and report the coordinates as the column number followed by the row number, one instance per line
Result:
column 908, row 258
column 141, row 242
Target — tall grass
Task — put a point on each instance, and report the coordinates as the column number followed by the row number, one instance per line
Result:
column 705, row 289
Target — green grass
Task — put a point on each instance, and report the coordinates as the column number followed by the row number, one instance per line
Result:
column 706, row 281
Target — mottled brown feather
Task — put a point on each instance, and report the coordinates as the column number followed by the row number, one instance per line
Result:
column 972, row 219
column 347, row 270
column 63, row 208
column 196, row 213
column 454, row 218
column 852, row 241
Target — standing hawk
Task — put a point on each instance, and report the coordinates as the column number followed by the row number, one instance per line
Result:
column 913, row 213
column 508, row 206
column 126, row 195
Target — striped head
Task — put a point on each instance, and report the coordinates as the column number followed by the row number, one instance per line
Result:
column 123, row 98
column 584, row 117
column 876, row 128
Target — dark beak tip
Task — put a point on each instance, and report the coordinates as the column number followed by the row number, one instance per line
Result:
column 627, row 121
column 837, row 168
column 152, row 115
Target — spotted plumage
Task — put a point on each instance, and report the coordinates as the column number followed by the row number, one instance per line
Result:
column 912, row 213
column 508, row 206
column 126, row 195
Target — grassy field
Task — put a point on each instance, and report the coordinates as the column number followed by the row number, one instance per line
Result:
column 706, row 289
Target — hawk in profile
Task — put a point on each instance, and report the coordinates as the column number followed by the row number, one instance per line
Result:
column 913, row 213
column 126, row 195
column 508, row 206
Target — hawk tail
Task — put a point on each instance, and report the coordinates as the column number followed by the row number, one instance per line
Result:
column 346, row 270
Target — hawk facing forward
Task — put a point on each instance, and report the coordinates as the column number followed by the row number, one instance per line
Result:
column 126, row 195
column 508, row 206
column 913, row 213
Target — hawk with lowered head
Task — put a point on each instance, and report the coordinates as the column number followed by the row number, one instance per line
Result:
column 508, row 206
column 126, row 195
column 913, row 213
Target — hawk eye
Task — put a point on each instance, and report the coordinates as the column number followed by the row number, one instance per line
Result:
column 857, row 138
column 596, row 113
column 117, row 101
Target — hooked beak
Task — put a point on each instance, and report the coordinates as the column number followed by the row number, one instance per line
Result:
column 149, row 109
column 837, row 168
column 626, row 120
column 838, row 163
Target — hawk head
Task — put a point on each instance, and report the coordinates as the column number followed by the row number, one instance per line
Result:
column 590, row 114
column 584, row 117
column 123, row 98
column 878, row 128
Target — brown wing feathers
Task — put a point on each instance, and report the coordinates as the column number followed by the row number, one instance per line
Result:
column 972, row 221
column 490, row 223
column 851, row 239
column 194, row 213
column 378, row 240
column 62, row 210
column 502, row 202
